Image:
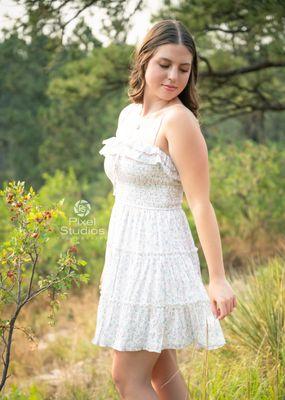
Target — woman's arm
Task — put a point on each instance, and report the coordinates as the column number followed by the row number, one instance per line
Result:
column 188, row 150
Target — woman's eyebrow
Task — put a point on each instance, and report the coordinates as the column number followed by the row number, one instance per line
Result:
column 167, row 59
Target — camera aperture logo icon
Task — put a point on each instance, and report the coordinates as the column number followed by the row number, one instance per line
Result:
column 82, row 208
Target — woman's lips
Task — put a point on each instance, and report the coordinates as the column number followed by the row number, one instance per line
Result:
column 169, row 88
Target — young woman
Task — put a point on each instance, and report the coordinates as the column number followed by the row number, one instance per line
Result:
column 153, row 300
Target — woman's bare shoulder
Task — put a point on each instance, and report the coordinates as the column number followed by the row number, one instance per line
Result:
column 125, row 111
column 180, row 121
column 179, row 110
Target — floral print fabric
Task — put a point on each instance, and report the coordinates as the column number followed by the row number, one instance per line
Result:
column 152, row 294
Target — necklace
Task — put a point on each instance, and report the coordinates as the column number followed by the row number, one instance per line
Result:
column 141, row 118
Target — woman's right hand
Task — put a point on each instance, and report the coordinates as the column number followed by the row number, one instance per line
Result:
column 223, row 299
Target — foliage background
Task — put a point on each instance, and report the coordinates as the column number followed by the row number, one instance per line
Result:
column 59, row 100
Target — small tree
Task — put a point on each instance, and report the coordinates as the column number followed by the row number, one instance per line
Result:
column 20, row 279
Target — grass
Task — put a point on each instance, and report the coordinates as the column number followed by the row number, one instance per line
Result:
column 259, row 321
column 66, row 366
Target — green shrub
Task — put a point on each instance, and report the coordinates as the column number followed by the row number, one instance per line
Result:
column 258, row 323
column 17, row 394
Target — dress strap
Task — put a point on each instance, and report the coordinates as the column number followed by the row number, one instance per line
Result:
column 159, row 125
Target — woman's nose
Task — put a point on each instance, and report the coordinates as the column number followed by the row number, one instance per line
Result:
column 173, row 75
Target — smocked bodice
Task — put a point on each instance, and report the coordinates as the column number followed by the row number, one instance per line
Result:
column 141, row 173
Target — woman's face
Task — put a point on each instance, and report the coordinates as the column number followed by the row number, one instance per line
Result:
column 170, row 65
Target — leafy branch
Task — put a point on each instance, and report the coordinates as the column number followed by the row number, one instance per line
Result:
column 20, row 281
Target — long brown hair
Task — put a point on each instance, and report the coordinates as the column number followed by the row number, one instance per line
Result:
column 164, row 32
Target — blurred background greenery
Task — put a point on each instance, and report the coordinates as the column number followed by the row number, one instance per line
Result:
column 60, row 98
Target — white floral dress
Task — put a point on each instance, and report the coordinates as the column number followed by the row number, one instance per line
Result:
column 152, row 295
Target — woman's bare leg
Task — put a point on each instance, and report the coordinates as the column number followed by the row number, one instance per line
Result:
column 131, row 373
column 167, row 379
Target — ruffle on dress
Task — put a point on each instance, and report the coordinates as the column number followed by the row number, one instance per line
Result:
column 141, row 152
column 156, row 328
column 155, row 303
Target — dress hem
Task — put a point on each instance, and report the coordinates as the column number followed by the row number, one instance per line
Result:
column 198, row 346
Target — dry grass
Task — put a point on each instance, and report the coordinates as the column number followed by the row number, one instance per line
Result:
column 65, row 365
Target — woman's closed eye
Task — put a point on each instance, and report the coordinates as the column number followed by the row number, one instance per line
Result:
column 166, row 66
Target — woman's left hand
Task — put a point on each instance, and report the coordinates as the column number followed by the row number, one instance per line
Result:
column 223, row 299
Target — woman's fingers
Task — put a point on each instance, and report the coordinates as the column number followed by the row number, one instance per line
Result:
column 225, row 307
